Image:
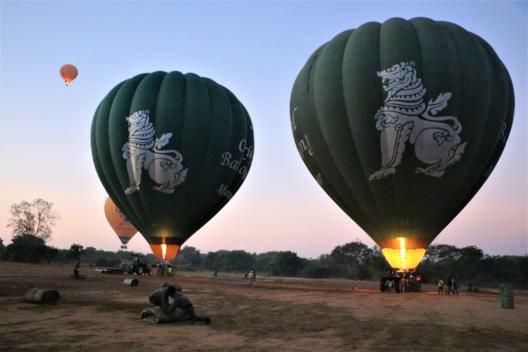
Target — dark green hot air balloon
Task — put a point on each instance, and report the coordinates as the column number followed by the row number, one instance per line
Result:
column 401, row 123
column 171, row 149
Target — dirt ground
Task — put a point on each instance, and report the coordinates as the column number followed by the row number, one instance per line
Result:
column 102, row 314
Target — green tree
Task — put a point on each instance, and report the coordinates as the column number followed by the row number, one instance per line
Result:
column 189, row 256
column 352, row 260
column 212, row 261
column 287, row 264
column 237, row 260
column 75, row 252
column 35, row 218
column 440, row 252
column 27, row 248
column 265, row 260
column 2, row 248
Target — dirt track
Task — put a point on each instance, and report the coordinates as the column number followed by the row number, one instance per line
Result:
column 101, row 314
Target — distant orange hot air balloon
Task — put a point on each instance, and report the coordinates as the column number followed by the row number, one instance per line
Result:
column 122, row 227
column 68, row 73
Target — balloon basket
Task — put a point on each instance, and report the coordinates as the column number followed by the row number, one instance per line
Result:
column 400, row 280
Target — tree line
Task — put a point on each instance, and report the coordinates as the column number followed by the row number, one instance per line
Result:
column 354, row 260
column 31, row 223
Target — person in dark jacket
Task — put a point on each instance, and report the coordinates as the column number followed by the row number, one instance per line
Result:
column 160, row 298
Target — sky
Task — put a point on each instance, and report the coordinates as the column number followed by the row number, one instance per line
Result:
column 256, row 49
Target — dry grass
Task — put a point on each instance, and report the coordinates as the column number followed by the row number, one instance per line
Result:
column 101, row 314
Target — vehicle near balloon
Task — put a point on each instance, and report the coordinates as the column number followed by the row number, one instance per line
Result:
column 401, row 123
column 171, row 150
column 117, row 220
column 137, row 265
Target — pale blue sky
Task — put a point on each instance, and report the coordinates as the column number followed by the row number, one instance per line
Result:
column 256, row 50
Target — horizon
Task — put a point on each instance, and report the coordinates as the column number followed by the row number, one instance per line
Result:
column 264, row 252
column 45, row 148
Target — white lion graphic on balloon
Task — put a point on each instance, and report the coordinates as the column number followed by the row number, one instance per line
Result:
column 142, row 152
column 404, row 117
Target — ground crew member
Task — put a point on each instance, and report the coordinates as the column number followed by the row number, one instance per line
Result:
column 440, row 286
column 160, row 297
column 251, row 277
column 77, row 269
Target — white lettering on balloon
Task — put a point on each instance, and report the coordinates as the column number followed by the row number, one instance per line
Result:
column 240, row 165
column 223, row 191
column 304, row 143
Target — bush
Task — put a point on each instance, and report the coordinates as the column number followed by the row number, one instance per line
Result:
column 29, row 249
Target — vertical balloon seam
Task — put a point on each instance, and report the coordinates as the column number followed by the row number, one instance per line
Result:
column 184, row 93
column 368, row 196
column 418, row 229
column 205, row 199
column 466, row 170
column 394, row 225
column 233, row 105
column 241, row 115
column 497, row 151
column 235, row 180
column 204, row 215
column 199, row 170
column 118, row 199
column 127, row 90
column 313, row 165
column 478, row 143
column 368, row 200
column 372, row 186
column 156, row 117
column 123, row 199
column 310, row 92
column 311, row 88
column 151, row 84
column 104, row 117
column 156, row 121
column 318, row 122
column 431, row 230
column 115, row 196
column 191, row 81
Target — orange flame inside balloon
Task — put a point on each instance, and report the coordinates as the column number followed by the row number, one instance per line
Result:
column 163, row 250
column 403, row 258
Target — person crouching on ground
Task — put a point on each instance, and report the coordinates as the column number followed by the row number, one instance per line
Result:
column 160, row 298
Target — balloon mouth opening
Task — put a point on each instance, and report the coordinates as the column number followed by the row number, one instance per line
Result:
column 165, row 251
column 67, row 82
column 402, row 257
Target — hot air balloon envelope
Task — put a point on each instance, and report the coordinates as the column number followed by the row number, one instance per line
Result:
column 117, row 220
column 401, row 123
column 68, row 73
column 171, row 150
